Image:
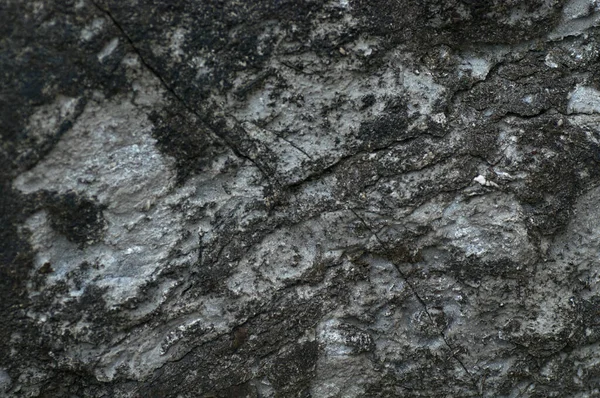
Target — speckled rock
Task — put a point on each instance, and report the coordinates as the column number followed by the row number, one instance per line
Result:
column 348, row 198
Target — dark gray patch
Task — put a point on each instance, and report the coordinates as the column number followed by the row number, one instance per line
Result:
column 78, row 218
column 456, row 22
column 180, row 135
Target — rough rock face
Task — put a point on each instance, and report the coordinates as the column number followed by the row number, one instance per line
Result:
column 299, row 198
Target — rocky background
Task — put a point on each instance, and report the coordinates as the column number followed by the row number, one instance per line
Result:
column 300, row 198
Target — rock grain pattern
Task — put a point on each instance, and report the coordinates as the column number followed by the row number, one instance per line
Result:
column 299, row 198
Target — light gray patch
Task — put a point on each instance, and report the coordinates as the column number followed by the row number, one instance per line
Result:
column 422, row 90
column 490, row 229
column 584, row 100
column 91, row 30
column 338, row 372
column 5, row 380
column 108, row 49
column 114, row 160
column 576, row 246
column 578, row 16
column 575, row 9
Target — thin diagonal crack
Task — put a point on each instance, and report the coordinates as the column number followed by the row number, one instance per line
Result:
column 419, row 299
column 293, row 145
column 282, row 138
column 169, row 89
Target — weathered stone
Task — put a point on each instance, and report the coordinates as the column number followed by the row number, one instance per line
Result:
column 342, row 198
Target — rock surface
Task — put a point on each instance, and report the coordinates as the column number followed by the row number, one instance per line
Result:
column 300, row 198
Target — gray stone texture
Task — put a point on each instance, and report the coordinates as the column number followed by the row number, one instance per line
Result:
column 300, row 198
